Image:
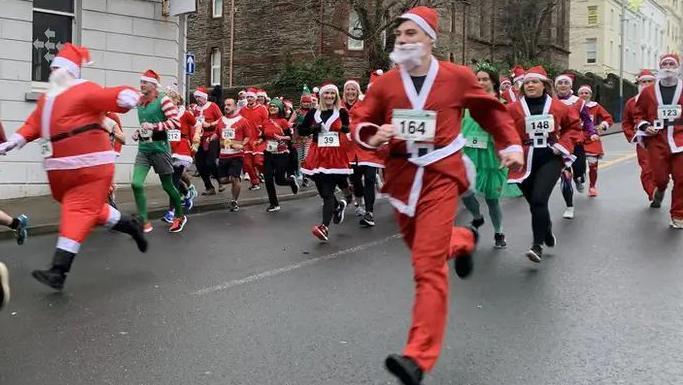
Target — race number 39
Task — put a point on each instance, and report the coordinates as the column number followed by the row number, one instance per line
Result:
column 328, row 139
column 414, row 125
column 669, row 112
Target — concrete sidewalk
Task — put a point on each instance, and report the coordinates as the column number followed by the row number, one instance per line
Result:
column 44, row 212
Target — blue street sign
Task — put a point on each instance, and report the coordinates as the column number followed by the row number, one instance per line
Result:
column 189, row 64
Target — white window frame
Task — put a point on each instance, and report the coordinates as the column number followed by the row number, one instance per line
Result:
column 215, row 54
column 354, row 26
column 590, row 14
column 38, row 86
column 594, row 41
column 217, row 13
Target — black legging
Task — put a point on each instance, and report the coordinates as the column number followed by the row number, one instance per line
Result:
column 206, row 163
column 363, row 180
column 275, row 168
column 326, row 184
column 578, row 173
column 178, row 183
column 545, row 170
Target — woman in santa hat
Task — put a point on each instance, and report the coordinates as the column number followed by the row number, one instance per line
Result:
column 602, row 120
column 327, row 162
column 549, row 130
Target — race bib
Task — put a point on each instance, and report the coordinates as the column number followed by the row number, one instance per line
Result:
column 328, row 139
column 173, row 135
column 669, row 112
column 414, row 125
column 538, row 127
column 228, row 133
column 45, row 148
column 271, row 146
column 481, row 142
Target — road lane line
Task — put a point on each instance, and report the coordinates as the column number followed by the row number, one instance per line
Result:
column 613, row 162
column 271, row 273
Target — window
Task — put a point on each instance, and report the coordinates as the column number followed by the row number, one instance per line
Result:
column 592, row 15
column 52, row 27
column 215, row 67
column 217, row 8
column 612, row 19
column 355, row 29
column 591, row 51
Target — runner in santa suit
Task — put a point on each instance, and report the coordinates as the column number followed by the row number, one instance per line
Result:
column 278, row 136
column 301, row 143
column 660, row 128
column 602, row 120
column 234, row 131
column 256, row 114
column 262, row 97
column 645, row 78
column 505, row 85
column 577, row 172
column 327, row 162
column 79, row 159
column 207, row 154
column 550, row 130
column 512, row 93
column 352, row 96
column 413, row 113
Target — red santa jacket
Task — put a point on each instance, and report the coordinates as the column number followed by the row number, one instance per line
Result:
column 209, row 113
column 256, row 115
column 448, row 90
column 182, row 148
column 274, row 129
column 628, row 122
column 599, row 115
column 361, row 156
column 567, row 132
column 233, row 129
column 510, row 95
column 649, row 100
column 72, row 121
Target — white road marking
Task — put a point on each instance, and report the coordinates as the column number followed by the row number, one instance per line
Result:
column 271, row 273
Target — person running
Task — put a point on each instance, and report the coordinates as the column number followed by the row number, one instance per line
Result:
column 491, row 178
column 512, row 93
column 602, row 120
column 414, row 112
column 156, row 114
column 550, row 130
column 301, row 143
column 278, row 136
column 234, row 131
column 78, row 157
column 660, row 128
column 645, row 78
column 256, row 114
column 327, row 162
column 18, row 224
column 181, row 150
column 577, row 171
column 207, row 153
column 112, row 123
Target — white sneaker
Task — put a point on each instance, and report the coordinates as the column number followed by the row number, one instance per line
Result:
column 676, row 224
column 568, row 213
column 360, row 211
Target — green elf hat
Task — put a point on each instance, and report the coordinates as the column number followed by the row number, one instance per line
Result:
column 278, row 103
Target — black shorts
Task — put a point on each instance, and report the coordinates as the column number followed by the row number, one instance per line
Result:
column 231, row 167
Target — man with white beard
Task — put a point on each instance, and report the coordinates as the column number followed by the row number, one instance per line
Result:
column 79, row 159
column 413, row 113
column 660, row 129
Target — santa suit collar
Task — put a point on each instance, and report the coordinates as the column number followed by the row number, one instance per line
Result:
column 568, row 100
column 418, row 101
column 327, row 125
column 677, row 92
column 672, row 139
column 591, row 104
column 546, row 106
column 511, row 93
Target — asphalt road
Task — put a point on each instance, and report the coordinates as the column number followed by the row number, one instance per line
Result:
column 251, row 298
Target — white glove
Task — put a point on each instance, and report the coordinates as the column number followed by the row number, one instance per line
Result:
column 128, row 99
column 149, row 126
column 6, row 147
column 136, row 135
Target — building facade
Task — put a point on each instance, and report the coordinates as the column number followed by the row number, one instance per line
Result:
column 239, row 43
column 125, row 37
column 596, row 35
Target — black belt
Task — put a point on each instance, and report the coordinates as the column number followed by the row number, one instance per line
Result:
column 530, row 142
column 420, row 152
column 77, row 131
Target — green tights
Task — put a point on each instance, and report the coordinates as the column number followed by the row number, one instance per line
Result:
column 139, row 176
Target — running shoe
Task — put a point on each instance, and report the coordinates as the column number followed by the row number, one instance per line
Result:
column 535, row 253
column 477, row 222
column 359, row 210
column 4, row 285
column 254, row 187
column 405, row 369
column 192, row 192
column 499, row 241
column 592, row 192
column 368, row 220
column 168, row 217
column 339, row 212
column 320, row 232
column 178, row 224
column 273, row 209
column 21, row 232
column 676, row 223
column 188, row 204
column 568, row 213
column 234, row 207
column 295, row 184
column 147, row 228
column 657, row 200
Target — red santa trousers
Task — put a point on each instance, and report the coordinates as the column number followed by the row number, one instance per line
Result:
column 431, row 237
column 646, row 175
column 253, row 165
column 664, row 163
column 83, row 195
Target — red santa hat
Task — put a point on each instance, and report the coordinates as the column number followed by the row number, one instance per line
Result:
column 261, row 92
column 306, row 99
column 645, row 75
column 201, row 93
column 568, row 76
column 71, row 57
column 670, row 56
column 355, row 82
column 251, row 92
column 426, row 18
column 518, row 73
column 504, row 79
column 374, row 75
column 329, row 86
column 537, row 72
column 151, row 77
column 585, row 87
column 316, row 90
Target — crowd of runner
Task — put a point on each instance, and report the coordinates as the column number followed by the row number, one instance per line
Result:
column 427, row 133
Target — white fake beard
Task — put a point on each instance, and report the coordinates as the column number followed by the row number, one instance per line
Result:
column 408, row 55
column 668, row 76
column 60, row 79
